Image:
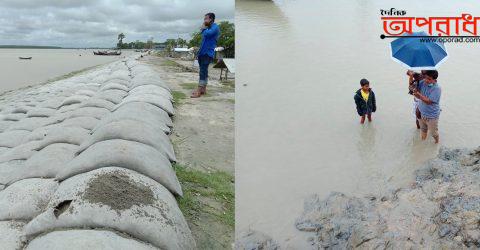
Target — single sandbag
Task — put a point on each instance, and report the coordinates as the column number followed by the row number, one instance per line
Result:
column 142, row 112
column 85, row 92
column 151, row 89
column 120, row 199
column 69, row 108
column 89, row 112
column 77, row 239
column 40, row 133
column 64, row 134
column 4, row 125
column 126, row 154
column 10, row 170
column 13, row 138
column 20, row 152
column 32, row 123
column 11, row 234
column 22, row 110
column 25, row 199
column 41, row 112
column 133, row 131
column 53, row 103
column 157, row 100
column 14, row 117
column 148, row 80
column 83, row 122
column 119, row 74
column 113, row 85
column 112, row 95
column 73, row 99
column 43, row 164
column 98, row 103
column 118, row 81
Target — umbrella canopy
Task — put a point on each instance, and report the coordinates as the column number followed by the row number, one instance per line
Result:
column 416, row 54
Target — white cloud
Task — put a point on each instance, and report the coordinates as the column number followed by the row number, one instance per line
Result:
column 79, row 23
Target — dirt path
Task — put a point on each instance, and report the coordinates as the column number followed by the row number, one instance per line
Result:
column 203, row 137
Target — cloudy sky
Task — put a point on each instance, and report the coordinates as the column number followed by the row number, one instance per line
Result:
column 90, row 23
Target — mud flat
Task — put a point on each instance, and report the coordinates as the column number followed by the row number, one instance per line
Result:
column 440, row 210
column 87, row 161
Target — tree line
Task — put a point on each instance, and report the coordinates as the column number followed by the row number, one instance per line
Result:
column 226, row 40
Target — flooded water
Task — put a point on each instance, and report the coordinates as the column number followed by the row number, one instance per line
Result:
column 44, row 65
column 297, row 132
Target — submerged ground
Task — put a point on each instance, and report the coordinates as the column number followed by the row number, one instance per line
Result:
column 440, row 209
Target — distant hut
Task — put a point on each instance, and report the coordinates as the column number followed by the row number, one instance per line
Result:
column 183, row 53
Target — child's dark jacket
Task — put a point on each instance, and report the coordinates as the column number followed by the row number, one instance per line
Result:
column 365, row 107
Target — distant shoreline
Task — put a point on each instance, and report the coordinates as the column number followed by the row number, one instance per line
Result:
column 28, row 47
column 42, row 47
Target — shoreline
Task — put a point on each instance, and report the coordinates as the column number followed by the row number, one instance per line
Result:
column 57, row 78
column 48, row 65
column 440, row 208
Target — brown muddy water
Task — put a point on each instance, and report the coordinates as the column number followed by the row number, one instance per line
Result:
column 297, row 132
column 44, row 65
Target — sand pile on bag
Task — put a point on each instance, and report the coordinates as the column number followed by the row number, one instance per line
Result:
column 87, row 160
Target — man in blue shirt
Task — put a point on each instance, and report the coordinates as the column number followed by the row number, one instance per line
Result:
column 210, row 33
column 428, row 92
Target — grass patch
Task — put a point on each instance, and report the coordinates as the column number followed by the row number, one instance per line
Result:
column 178, row 96
column 189, row 85
column 229, row 83
column 170, row 63
column 197, row 186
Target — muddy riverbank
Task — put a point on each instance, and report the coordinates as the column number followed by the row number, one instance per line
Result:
column 439, row 210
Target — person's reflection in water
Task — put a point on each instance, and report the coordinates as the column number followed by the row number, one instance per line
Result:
column 367, row 151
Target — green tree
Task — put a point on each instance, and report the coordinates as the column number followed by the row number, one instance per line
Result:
column 120, row 38
column 181, row 42
column 195, row 40
column 149, row 44
column 226, row 39
column 170, row 44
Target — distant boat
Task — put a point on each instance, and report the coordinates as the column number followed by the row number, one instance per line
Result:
column 107, row 53
column 25, row 58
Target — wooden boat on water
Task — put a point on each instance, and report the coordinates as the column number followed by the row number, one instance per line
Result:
column 107, row 53
column 24, row 58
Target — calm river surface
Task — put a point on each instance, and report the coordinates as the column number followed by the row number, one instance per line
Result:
column 297, row 132
column 44, row 65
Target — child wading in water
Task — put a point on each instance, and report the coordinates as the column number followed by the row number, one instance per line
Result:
column 365, row 101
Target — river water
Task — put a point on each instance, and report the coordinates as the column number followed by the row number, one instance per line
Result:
column 44, row 65
column 297, row 132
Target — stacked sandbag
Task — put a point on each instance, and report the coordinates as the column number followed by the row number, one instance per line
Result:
column 86, row 239
column 119, row 199
column 58, row 139
column 11, row 234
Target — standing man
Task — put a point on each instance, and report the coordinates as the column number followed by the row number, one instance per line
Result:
column 428, row 92
column 210, row 33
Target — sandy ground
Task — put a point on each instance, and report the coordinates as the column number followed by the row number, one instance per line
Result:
column 203, row 127
column 203, row 138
